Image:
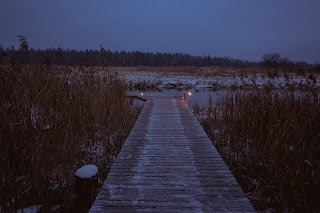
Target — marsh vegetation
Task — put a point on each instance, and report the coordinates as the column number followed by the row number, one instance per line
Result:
column 264, row 122
column 53, row 120
column 270, row 139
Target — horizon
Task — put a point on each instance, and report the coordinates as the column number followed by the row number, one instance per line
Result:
column 243, row 30
column 16, row 48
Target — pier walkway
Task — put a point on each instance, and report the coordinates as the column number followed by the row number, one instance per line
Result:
column 168, row 164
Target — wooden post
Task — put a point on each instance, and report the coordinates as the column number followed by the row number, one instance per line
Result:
column 86, row 185
column 185, row 95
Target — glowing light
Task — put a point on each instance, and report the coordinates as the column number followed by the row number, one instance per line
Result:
column 189, row 93
column 141, row 94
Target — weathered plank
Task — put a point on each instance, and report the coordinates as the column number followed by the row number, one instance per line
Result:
column 168, row 164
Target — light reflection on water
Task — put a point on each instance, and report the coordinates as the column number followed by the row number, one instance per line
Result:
column 201, row 97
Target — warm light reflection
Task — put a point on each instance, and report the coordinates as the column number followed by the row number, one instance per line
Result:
column 189, row 93
column 141, row 94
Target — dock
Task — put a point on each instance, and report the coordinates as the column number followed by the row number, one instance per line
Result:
column 168, row 164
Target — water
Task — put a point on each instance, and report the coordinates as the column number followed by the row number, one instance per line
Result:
column 201, row 97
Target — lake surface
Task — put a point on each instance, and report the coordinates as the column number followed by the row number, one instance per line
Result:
column 201, row 97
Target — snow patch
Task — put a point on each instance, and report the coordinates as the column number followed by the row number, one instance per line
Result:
column 87, row 171
column 30, row 209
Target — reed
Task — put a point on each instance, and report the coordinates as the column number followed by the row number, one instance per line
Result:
column 169, row 69
column 270, row 140
column 54, row 120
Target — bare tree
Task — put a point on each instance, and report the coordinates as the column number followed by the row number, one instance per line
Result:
column 105, row 55
column 2, row 53
column 271, row 60
column 24, row 46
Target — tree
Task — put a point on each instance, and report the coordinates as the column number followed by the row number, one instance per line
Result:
column 271, row 60
column 24, row 46
column 58, row 55
column 105, row 56
column 2, row 53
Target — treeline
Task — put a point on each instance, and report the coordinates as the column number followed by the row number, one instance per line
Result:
column 59, row 56
column 115, row 58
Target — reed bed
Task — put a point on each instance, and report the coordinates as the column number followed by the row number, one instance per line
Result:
column 53, row 121
column 169, row 69
column 270, row 139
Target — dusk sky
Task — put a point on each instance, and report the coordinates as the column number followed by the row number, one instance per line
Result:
column 243, row 29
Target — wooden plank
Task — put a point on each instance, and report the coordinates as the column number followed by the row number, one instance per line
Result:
column 168, row 164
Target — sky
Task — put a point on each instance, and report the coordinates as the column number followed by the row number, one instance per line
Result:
column 241, row 29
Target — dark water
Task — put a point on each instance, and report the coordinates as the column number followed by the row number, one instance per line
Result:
column 201, row 97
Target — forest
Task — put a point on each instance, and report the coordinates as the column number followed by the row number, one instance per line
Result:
column 59, row 56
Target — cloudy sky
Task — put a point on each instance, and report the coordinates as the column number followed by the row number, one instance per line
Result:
column 244, row 29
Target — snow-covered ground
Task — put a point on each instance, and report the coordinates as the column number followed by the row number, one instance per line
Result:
column 203, row 85
column 204, row 80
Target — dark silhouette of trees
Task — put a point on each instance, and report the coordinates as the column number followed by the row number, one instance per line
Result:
column 104, row 57
column 274, row 60
column 271, row 60
column 116, row 58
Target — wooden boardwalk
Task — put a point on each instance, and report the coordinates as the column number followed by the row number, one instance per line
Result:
column 168, row 164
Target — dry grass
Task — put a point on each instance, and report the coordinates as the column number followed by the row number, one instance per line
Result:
column 270, row 140
column 122, row 69
column 173, row 69
column 219, row 71
column 53, row 121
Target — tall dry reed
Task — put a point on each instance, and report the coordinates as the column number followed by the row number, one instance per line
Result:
column 169, row 69
column 53, row 121
column 271, row 141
